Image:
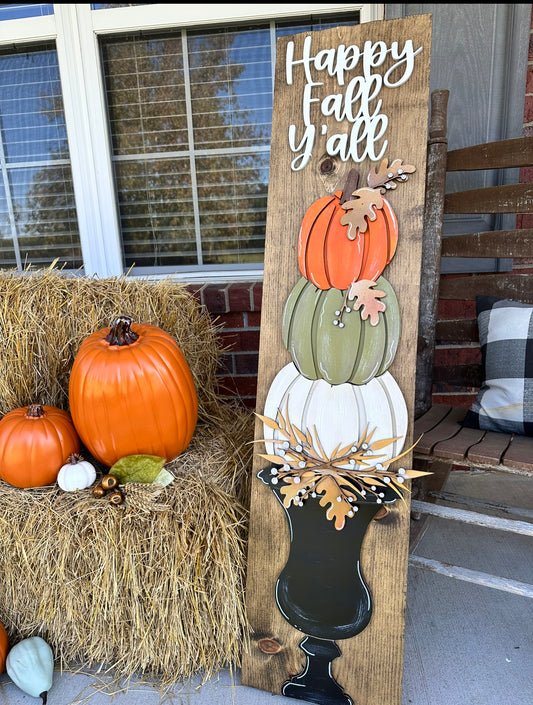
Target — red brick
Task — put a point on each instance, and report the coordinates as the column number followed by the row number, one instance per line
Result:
column 226, row 386
column 239, row 297
column 451, row 309
column 247, row 340
column 196, row 291
column 228, row 339
column 526, row 174
column 246, row 363
column 456, row 356
column 254, row 319
column 249, row 402
column 526, row 220
column 232, row 320
column 528, row 109
column 529, row 80
column 237, row 386
column 257, row 296
column 214, row 296
column 246, row 385
column 226, row 365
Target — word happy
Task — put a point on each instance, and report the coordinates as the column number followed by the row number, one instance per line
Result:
column 356, row 103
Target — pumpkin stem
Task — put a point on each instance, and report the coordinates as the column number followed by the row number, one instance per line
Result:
column 350, row 186
column 35, row 411
column 121, row 332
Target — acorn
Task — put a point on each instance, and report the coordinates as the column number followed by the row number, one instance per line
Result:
column 109, row 482
column 98, row 492
column 116, row 497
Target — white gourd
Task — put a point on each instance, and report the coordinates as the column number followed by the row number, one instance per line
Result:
column 30, row 665
column 76, row 474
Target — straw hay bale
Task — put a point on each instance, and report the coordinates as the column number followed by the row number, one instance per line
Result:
column 155, row 585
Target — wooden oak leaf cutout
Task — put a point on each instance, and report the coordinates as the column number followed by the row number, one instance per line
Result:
column 290, row 493
column 338, row 506
column 361, row 210
column 385, row 176
column 367, row 298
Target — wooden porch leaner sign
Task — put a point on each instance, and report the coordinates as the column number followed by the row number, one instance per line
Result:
column 329, row 524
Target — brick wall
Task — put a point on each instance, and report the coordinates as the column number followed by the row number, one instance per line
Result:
column 236, row 308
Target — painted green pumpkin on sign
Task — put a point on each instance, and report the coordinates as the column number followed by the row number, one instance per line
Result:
column 328, row 338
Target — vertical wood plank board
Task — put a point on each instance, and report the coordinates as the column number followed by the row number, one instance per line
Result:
column 370, row 668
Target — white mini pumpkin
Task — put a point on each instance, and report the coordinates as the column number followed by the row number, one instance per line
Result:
column 76, row 474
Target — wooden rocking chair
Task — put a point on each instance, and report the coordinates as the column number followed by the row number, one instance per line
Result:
column 445, row 442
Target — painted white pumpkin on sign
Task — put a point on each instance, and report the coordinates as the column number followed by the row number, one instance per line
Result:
column 338, row 414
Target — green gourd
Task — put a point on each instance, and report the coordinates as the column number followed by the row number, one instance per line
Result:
column 30, row 665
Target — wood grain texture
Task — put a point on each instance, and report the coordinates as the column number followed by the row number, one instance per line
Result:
column 370, row 668
column 506, row 286
column 503, row 154
column 494, row 243
column 509, row 198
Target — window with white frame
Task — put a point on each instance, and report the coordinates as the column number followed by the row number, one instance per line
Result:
column 136, row 138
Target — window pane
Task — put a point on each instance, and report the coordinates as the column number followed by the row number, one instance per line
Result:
column 190, row 114
column 37, row 210
column 232, row 194
column 155, row 200
column 231, row 87
column 146, row 95
column 15, row 12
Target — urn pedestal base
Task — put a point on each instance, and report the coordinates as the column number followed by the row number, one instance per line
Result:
column 316, row 684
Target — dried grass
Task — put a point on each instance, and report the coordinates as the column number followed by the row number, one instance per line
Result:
column 154, row 586
column 45, row 315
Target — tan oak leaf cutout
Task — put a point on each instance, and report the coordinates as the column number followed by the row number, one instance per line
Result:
column 367, row 299
column 385, row 177
column 361, row 210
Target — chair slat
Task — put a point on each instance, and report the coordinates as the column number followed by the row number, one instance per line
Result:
column 501, row 154
column 508, row 198
column 511, row 286
column 431, row 418
column 457, row 448
column 494, row 243
column 447, row 428
column 490, row 450
column 519, row 454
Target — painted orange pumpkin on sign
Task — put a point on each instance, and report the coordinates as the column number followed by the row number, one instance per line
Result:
column 353, row 234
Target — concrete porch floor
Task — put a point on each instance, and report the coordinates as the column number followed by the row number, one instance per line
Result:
column 465, row 644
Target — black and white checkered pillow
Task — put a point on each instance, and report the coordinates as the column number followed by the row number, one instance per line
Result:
column 505, row 399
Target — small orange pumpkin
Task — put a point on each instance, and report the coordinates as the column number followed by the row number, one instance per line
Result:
column 4, row 647
column 35, row 441
column 131, row 392
column 330, row 259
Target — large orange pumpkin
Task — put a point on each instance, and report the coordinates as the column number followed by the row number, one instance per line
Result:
column 330, row 259
column 131, row 392
column 35, row 442
column 4, row 647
